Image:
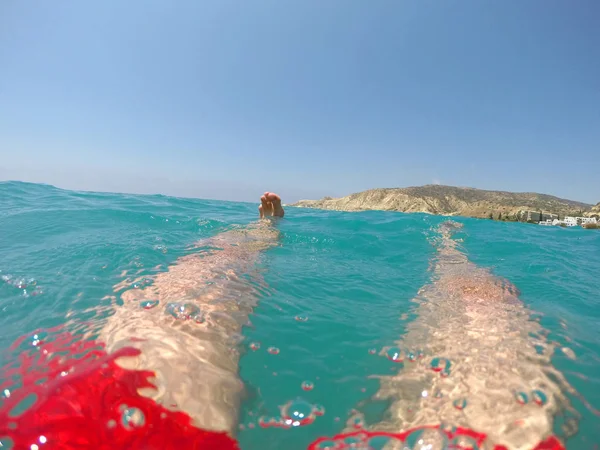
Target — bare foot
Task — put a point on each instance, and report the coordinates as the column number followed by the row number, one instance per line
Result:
column 270, row 205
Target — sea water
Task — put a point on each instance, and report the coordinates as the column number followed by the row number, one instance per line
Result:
column 337, row 289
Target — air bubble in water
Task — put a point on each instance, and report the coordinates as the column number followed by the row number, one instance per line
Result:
column 307, row 386
column 441, row 365
column 464, row 443
column 182, row 311
column 266, row 422
column 148, row 304
column 6, row 442
column 199, row 318
column 35, row 340
column 356, row 421
column 132, row 418
column 298, row 412
column 539, row 397
column 522, row 398
column 414, row 356
column 395, row 354
column 427, row 439
column 460, row 403
column 273, row 350
column 319, row 410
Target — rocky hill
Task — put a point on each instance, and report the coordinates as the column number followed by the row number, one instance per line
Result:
column 450, row 200
column 595, row 211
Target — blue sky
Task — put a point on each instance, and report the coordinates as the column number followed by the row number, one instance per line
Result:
column 224, row 99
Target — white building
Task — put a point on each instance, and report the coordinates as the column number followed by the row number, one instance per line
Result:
column 570, row 221
column 574, row 221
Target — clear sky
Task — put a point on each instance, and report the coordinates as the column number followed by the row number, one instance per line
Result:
column 225, row 99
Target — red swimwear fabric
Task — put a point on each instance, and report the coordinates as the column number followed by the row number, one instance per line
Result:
column 81, row 402
column 67, row 393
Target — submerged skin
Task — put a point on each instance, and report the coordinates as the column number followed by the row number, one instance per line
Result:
column 477, row 322
column 196, row 364
column 466, row 315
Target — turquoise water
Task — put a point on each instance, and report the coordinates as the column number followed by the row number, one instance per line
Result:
column 349, row 277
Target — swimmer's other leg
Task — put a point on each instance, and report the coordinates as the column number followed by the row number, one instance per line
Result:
column 270, row 205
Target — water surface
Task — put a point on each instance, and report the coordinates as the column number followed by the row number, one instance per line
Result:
column 337, row 286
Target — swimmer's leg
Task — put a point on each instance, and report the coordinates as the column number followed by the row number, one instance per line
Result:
column 478, row 350
column 196, row 364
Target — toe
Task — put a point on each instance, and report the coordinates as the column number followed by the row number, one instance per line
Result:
column 266, row 205
column 273, row 198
